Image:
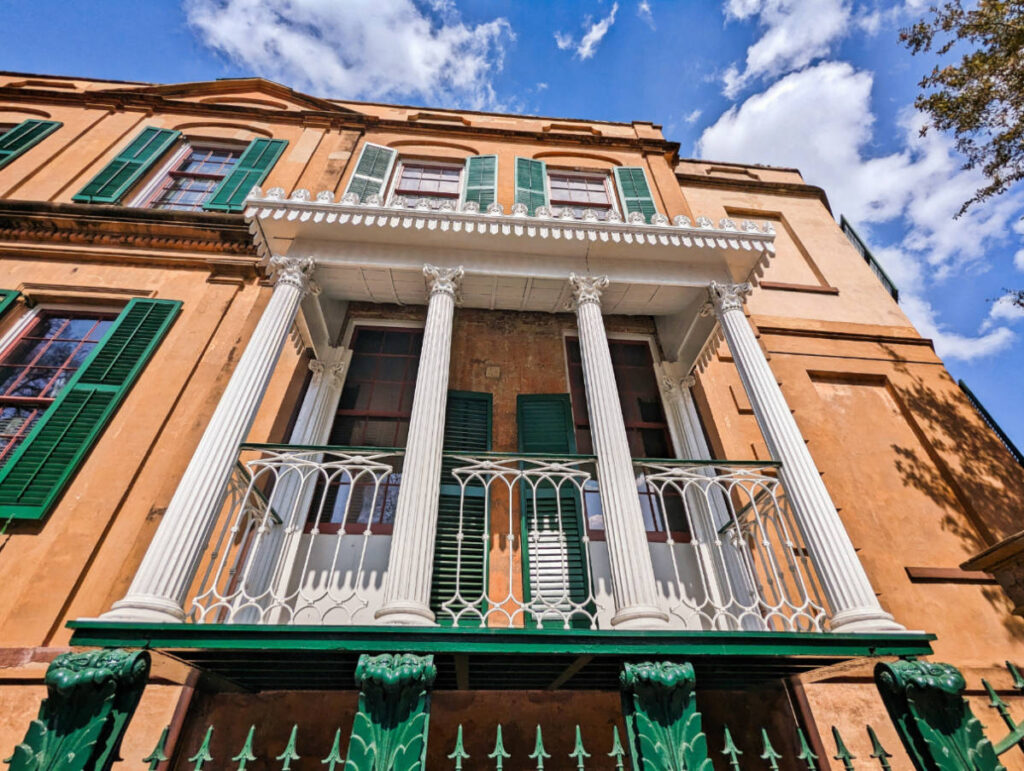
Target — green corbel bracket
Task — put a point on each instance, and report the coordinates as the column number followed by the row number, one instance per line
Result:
column 935, row 723
column 390, row 728
column 662, row 721
column 90, row 697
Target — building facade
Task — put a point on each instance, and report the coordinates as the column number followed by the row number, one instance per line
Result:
column 337, row 432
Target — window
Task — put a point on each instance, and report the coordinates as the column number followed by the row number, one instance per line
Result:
column 579, row 192
column 35, row 368
column 374, row 411
column 190, row 183
column 431, row 181
column 646, row 430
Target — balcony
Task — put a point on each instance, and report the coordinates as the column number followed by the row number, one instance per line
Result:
column 305, row 539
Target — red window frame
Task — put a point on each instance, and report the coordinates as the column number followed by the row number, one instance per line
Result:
column 635, row 382
column 180, row 173
column 579, row 206
column 31, row 379
column 410, row 192
column 362, row 401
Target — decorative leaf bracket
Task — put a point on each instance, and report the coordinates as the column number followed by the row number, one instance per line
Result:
column 662, row 721
column 90, row 697
column 390, row 728
column 935, row 723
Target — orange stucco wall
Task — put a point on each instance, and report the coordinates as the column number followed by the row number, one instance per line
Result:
column 917, row 477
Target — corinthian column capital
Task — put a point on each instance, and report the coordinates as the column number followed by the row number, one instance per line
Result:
column 444, row 280
column 727, row 297
column 294, row 271
column 587, row 289
column 332, row 365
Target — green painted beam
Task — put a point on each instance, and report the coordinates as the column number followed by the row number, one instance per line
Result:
column 246, row 637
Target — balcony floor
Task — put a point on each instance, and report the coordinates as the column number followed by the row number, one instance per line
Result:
column 262, row 657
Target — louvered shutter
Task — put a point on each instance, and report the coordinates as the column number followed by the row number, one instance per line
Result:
column 40, row 469
column 460, row 567
column 7, row 299
column 371, row 171
column 113, row 181
column 531, row 183
column 552, row 523
column 481, row 180
column 634, row 192
column 252, row 168
column 21, row 137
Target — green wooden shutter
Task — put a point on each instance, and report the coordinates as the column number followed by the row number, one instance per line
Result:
column 252, row 168
column 371, row 171
column 40, row 469
column 113, row 181
column 634, row 192
column 7, row 299
column 531, row 183
column 467, row 429
column 555, row 566
column 481, row 180
column 21, row 137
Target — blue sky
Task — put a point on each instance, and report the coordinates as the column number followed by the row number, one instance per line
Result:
column 822, row 85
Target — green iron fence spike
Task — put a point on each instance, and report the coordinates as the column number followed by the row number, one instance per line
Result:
column 842, row 753
column 1018, row 681
column 289, row 753
column 499, row 755
column 334, row 757
column 617, row 751
column 1001, row 707
column 203, row 755
column 806, row 754
column 539, row 753
column 578, row 752
column 732, row 751
column 158, row 756
column 878, row 751
column 459, row 754
column 769, row 752
column 245, row 756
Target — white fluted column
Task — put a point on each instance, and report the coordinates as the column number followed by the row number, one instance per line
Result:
column 158, row 591
column 407, row 584
column 634, row 588
column 855, row 607
column 268, row 575
column 729, row 584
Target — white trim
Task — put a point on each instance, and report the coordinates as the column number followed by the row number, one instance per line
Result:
column 387, row 172
column 400, row 164
column 18, row 329
column 356, row 321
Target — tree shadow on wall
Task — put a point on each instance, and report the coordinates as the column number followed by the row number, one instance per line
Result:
column 962, row 466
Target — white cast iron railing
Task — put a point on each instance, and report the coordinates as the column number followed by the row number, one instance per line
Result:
column 744, row 564
column 304, row 538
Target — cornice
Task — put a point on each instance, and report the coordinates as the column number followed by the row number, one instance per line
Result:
column 756, row 186
column 219, row 238
column 681, row 233
column 340, row 118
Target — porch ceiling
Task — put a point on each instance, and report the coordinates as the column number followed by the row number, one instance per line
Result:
column 324, row 658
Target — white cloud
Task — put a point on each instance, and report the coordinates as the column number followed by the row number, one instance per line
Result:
column 1018, row 260
column 693, row 116
column 541, row 86
column 796, row 32
column 952, row 345
column 595, row 32
column 820, row 121
column 643, row 10
column 1004, row 309
column 370, row 49
column 564, row 41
